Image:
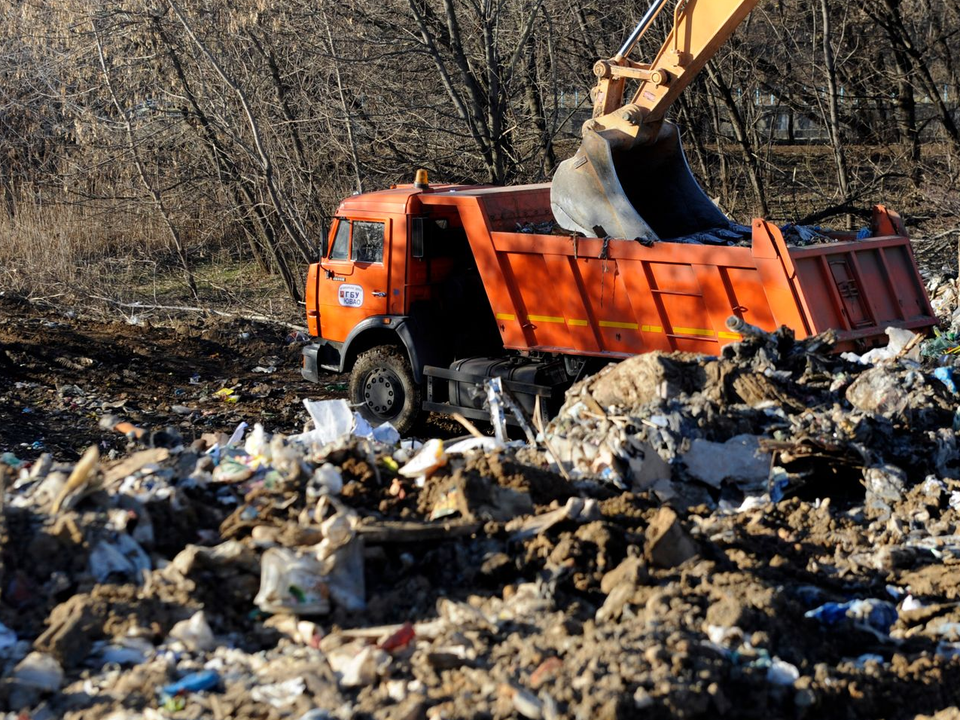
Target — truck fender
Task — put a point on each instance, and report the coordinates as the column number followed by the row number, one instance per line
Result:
column 383, row 330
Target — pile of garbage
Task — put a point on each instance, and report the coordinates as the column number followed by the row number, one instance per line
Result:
column 945, row 299
column 771, row 532
column 770, row 417
column 732, row 234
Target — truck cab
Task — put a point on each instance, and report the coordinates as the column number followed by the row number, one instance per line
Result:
column 396, row 289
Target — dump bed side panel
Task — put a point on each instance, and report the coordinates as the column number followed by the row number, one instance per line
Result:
column 618, row 298
column 606, row 297
column 858, row 288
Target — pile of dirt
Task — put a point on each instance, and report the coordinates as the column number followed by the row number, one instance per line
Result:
column 365, row 576
column 771, row 532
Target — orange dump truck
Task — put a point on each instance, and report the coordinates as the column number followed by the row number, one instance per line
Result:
column 422, row 292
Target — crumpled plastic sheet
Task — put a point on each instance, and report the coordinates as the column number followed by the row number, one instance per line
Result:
column 879, row 615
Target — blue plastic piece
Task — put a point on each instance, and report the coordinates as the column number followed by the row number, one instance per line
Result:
column 12, row 460
column 863, row 233
column 945, row 375
column 877, row 614
column 861, row 661
column 194, row 682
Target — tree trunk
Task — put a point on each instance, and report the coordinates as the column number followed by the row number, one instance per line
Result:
column 833, row 118
column 907, row 115
column 743, row 139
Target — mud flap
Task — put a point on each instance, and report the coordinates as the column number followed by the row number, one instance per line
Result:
column 646, row 192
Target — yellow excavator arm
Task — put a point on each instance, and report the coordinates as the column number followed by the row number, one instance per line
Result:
column 630, row 178
column 700, row 28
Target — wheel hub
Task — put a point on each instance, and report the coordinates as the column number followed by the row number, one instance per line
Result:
column 383, row 392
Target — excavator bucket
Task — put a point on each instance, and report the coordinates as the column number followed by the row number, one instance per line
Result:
column 645, row 192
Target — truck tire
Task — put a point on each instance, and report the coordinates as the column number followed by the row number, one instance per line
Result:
column 382, row 388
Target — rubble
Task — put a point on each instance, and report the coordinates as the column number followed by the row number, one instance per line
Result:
column 668, row 544
column 765, row 417
column 733, row 234
column 776, row 523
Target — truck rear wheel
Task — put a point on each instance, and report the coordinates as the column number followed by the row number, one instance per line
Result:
column 383, row 389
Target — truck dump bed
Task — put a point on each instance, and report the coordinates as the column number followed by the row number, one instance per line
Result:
column 618, row 298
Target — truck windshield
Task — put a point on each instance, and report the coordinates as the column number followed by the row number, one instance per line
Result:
column 341, row 243
column 367, row 246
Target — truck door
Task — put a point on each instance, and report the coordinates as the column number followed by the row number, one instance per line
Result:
column 354, row 281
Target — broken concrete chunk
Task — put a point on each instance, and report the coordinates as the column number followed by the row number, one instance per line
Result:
column 739, row 460
column 195, row 633
column 885, row 485
column 668, row 543
column 649, row 377
column 885, row 482
column 647, row 468
column 631, row 571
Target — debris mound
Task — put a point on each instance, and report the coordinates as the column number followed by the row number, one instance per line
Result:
column 777, row 523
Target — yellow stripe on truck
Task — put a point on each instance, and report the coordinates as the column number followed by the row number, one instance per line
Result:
column 693, row 331
column 696, row 332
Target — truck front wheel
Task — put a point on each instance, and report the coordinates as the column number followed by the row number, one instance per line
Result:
column 382, row 388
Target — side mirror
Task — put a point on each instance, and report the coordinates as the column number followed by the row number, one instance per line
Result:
column 416, row 238
column 324, row 242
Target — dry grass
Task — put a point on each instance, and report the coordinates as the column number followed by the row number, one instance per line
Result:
column 59, row 247
column 78, row 256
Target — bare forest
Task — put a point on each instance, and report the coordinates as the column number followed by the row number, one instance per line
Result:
column 195, row 149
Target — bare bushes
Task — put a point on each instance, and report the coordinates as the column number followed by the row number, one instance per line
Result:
column 60, row 249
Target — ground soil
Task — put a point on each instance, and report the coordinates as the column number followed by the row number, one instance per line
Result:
column 64, row 371
column 575, row 622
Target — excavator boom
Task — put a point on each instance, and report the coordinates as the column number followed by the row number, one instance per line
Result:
column 630, row 178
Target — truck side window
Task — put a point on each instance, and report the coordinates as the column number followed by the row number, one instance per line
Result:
column 341, row 243
column 368, row 242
